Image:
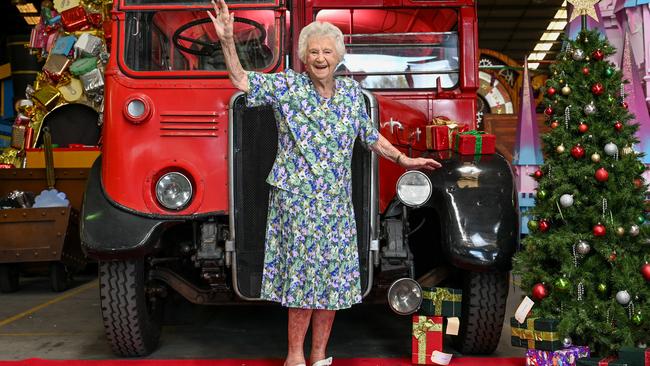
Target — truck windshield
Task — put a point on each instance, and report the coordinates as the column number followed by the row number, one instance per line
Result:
column 186, row 41
column 398, row 49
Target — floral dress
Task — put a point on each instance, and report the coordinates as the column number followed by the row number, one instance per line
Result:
column 311, row 258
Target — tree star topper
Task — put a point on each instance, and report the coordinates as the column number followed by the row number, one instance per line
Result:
column 583, row 7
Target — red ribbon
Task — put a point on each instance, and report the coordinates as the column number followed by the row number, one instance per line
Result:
column 605, row 361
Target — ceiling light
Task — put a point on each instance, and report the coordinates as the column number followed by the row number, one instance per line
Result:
column 32, row 20
column 26, row 8
column 557, row 24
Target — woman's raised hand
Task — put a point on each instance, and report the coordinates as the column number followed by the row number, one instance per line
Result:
column 222, row 20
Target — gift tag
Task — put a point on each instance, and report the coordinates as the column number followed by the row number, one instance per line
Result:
column 453, row 324
column 73, row 91
column 61, row 5
column 441, row 358
column 523, row 309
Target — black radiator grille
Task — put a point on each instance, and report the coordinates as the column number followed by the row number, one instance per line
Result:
column 254, row 147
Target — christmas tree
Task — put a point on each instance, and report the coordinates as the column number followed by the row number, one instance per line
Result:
column 585, row 262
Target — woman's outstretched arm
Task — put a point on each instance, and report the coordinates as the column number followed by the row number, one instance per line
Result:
column 386, row 150
column 223, row 24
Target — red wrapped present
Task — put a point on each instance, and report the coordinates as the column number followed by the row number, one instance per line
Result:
column 74, row 19
column 474, row 143
column 38, row 38
column 427, row 337
column 635, row 355
column 439, row 133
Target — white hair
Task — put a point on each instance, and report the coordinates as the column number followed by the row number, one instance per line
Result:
column 320, row 29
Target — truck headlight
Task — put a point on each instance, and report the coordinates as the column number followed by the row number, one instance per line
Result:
column 405, row 296
column 413, row 188
column 174, row 191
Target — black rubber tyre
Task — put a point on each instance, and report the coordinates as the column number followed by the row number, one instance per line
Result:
column 9, row 278
column 59, row 277
column 484, row 306
column 132, row 321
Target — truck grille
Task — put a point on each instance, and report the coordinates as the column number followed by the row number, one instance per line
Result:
column 189, row 124
column 254, row 144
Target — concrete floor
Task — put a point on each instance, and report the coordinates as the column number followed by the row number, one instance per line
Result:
column 36, row 322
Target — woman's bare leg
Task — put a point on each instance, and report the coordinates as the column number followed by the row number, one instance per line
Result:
column 321, row 326
column 297, row 328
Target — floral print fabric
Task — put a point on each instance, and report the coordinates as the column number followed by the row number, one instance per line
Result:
column 311, row 259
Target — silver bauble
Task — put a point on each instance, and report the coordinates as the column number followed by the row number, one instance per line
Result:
column 634, row 230
column 566, row 200
column 590, row 108
column 611, row 149
column 583, row 247
column 623, row 297
column 595, row 157
column 567, row 342
column 578, row 54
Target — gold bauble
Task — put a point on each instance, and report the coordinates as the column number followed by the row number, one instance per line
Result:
column 560, row 149
column 566, row 90
column 627, row 150
column 620, row 231
column 595, row 157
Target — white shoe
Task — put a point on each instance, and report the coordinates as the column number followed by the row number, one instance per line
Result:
column 325, row 362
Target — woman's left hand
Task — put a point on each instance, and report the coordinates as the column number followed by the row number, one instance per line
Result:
column 418, row 163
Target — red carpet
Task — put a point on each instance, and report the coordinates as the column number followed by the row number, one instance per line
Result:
column 459, row 361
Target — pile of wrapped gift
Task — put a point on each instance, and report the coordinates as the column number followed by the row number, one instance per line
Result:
column 441, row 309
column 443, row 133
column 73, row 39
column 627, row 356
column 545, row 348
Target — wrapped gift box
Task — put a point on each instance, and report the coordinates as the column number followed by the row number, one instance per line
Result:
column 536, row 333
column 74, row 19
column 439, row 134
column 635, row 356
column 564, row 357
column 440, row 301
column 602, row 361
column 474, row 143
column 427, row 337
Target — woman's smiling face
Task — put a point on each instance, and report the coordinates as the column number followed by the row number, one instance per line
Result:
column 322, row 58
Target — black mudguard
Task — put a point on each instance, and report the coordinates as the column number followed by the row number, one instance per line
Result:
column 109, row 232
column 476, row 200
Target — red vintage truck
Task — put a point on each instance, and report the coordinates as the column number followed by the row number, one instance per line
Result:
column 177, row 201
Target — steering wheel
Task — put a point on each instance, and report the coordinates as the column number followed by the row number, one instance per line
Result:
column 209, row 48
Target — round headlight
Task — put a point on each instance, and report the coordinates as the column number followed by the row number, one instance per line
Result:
column 173, row 191
column 135, row 108
column 413, row 188
column 405, row 296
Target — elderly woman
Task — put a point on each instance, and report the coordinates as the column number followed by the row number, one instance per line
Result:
column 311, row 262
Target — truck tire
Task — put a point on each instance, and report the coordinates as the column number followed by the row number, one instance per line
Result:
column 132, row 319
column 59, row 279
column 9, row 278
column 484, row 306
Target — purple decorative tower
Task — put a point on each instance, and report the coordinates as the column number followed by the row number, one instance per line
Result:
column 527, row 155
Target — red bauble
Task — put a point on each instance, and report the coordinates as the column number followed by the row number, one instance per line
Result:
column 597, row 89
column 555, row 124
column 543, row 225
column 599, row 230
column 539, row 291
column 612, row 257
column 585, row 71
column 598, row 55
column 601, row 175
column 624, row 105
column 645, row 271
column 582, row 127
column 548, row 111
column 638, row 183
column 538, row 174
column 578, row 152
column 618, row 126
column 551, row 91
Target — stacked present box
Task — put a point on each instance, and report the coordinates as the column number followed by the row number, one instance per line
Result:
column 438, row 303
column 440, row 133
column 72, row 41
column 545, row 347
column 474, row 143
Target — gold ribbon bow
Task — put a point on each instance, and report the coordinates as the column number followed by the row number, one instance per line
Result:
column 420, row 329
column 440, row 295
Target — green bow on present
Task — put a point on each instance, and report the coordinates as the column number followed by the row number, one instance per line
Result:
column 479, row 140
column 440, row 295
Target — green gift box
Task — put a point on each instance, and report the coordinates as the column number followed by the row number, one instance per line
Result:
column 537, row 333
column 601, row 361
column 635, row 356
column 440, row 301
